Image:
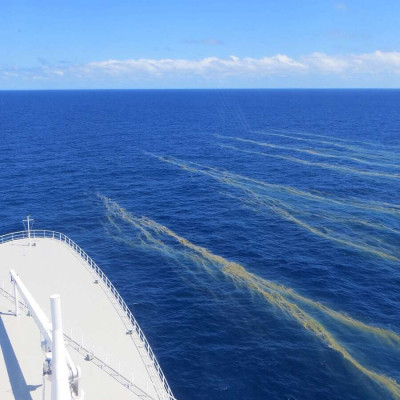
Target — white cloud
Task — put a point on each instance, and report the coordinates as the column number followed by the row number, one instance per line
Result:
column 326, row 64
column 230, row 66
column 368, row 63
column 210, row 69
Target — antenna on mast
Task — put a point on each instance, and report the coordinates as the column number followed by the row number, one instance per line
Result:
column 29, row 223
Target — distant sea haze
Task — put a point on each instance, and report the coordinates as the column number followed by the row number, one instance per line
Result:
column 253, row 233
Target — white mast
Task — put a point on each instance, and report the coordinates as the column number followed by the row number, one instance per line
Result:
column 59, row 385
column 28, row 221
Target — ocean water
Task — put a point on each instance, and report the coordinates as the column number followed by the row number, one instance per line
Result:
column 253, row 233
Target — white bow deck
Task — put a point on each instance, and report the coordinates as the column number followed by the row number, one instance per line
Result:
column 102, row 336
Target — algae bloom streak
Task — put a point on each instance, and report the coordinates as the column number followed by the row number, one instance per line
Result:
column 294, row 205
column 158, row 238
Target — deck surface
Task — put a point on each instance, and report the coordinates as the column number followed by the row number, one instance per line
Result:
column 91, row 318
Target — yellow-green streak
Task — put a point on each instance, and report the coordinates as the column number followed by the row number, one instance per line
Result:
column 309, row 151
column 318, row 164
column 275, row 205
column 270, row 291
column 336, row 139
column 223, row 176
column 329, row 143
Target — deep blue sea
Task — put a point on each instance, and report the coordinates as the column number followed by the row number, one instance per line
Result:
column 253, row 233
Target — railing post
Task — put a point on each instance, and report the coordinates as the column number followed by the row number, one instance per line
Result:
column 15, row 291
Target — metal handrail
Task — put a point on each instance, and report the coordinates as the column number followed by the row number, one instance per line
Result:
column 41, row 233
column 96, row 359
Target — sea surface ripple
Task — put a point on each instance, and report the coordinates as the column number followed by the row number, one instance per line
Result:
column 255, row 234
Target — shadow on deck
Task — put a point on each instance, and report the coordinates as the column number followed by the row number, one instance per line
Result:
column 21, row 390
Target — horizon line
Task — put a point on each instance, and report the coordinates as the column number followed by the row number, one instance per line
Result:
column 194, row 88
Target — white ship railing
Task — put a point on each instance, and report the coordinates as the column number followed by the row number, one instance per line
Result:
column 39, row 233
column 125, row 376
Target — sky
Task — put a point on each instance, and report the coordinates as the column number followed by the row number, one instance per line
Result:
column 128, row 44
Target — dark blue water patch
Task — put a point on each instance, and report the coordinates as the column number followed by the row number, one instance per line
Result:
column 214, row 338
